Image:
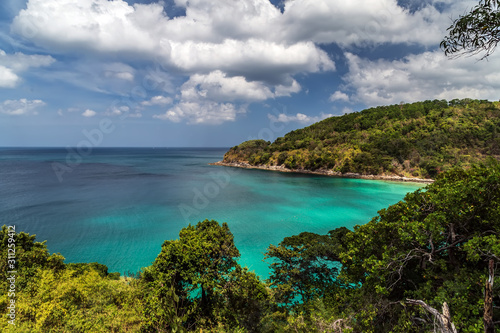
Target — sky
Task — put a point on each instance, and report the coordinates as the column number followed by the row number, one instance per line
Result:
column 205, row 73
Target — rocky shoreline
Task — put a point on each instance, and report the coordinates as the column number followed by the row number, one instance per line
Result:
column 324, row 172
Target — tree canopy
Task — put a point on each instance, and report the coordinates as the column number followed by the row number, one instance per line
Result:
column 196, row 281
column 434, row 246
column 51, row 296
column 305, row 267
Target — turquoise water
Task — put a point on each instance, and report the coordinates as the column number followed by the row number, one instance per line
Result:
column 116, row 206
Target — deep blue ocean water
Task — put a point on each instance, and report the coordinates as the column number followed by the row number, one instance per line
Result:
column 116, row 206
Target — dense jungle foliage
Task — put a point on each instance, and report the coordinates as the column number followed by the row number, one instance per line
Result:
column 414, row 140
column 434, row 246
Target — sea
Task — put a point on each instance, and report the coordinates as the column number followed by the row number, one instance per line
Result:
column 117, row 206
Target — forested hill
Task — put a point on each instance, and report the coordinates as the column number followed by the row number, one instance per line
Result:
column 413, row 140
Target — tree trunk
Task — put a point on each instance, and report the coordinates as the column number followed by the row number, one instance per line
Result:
column 489, row 326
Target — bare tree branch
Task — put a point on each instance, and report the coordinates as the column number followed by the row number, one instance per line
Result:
column 444, row 320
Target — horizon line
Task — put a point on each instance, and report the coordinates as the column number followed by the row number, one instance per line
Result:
column 128, row 147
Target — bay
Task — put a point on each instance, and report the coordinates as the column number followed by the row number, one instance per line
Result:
column 116, row 206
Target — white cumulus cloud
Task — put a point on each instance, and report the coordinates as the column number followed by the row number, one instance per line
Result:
column 217, row 86
column 89, row 113
column 158, row 100
column 220, row 97
column 210, row 113
column 299, row 118
column 238, row 52
column 19, row 107
column 428, row 75
column 13, row 64
column 339, row 96
column 213, row 35
column 357, row 22
column 230, row 50
column 8, row 79
column 98, row 25
column 255, row 58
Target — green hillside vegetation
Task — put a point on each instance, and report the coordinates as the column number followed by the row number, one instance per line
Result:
column 433, row 247
column 414, row 140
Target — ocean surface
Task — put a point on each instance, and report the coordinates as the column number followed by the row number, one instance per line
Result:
column 116, row 206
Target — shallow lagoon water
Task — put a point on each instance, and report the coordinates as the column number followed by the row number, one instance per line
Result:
column 117, row 205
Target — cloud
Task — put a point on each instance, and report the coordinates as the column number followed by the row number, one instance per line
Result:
column 20, row 62
column 217, row 86
column 20, row 107
column 339, row 96
column 255, row 59
column 299, row 117
column 216, row 97
column 358, row 22
column 235, row 37
column 214, row 35
column 122, row 111
column 117, row 110
column 96, row 25
column 13, row 64
column 210, row 113
column 95, row 75
column 61, row 112
column 158, row 100
column 226, row 19
column 223, row 35
column 232, row 53
column 89, row 113
column 287, row 89
column 229, row 28
column 428, row 75
column 8, row 79
column 133, row 115
column 127, row 76
column 115, row 70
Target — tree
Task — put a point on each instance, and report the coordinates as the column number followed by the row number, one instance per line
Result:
column 476, row 32
column 196, row 281
column 434, row 246
column 51, row 296
column 28, row 257
column 305, row 266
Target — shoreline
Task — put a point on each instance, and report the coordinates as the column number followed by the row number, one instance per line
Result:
column 324, row 172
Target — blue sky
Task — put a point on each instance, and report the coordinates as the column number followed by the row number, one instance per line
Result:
column 215, row 73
